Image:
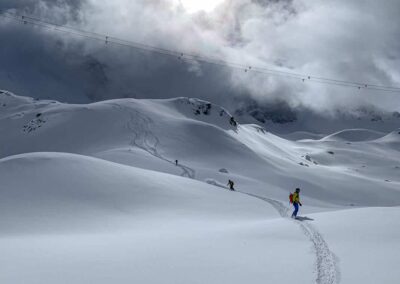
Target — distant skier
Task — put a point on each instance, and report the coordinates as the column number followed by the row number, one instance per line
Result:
column 231, row 184
column 232, row 121
column 295, row 199
column 176, row 162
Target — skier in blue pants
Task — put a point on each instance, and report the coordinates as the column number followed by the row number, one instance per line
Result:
column 296, row 202
column 296, row 209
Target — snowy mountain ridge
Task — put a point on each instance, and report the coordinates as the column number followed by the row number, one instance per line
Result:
column 302, row 123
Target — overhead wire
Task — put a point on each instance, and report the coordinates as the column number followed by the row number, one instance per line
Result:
column 192, row 57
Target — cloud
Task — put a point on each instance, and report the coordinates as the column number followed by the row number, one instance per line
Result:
column 341, row 39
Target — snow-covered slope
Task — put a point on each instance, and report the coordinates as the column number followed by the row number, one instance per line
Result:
column 96, row 190
column 152, row 134
column 304, row 123
column 87, row 192
column 354, row 135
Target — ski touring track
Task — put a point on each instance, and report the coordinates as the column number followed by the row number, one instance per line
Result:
column 326, row 264
column 144, row 139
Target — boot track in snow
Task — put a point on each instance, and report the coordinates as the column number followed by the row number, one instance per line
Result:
column 326, row 265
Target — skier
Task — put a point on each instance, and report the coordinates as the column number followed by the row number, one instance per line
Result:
column 232, row 121
column 176, row 162
column 231, row 184
column 295, row 199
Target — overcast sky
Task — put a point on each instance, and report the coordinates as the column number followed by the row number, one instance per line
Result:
column 343, row 39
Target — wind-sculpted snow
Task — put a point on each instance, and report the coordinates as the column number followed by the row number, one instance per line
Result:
column 326, row 265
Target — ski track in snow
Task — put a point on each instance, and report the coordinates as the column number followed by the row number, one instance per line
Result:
column 147, row 141
column 326, row 265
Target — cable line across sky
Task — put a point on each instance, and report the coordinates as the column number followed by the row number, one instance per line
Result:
column 191, row 57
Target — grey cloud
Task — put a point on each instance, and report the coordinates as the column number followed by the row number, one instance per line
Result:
column 61, row 10
column 341, row 39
